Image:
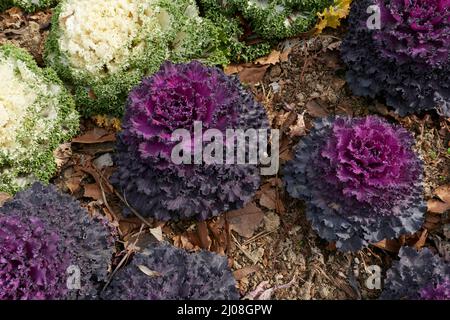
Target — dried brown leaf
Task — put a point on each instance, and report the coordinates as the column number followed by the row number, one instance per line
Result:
column 421, row 240
column 298, row 129
column 4, row 197
column 96, row 135
column 253, row 75
column 388, row 245
column 244, row 272
column 203, row 235
column 245, row 221
column 441, row 204
column 272, row 58
column 268, row 198
column 93, row 191
column 317, row 108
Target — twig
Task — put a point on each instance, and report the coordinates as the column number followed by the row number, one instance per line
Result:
column 124, row 259
column 248, row 255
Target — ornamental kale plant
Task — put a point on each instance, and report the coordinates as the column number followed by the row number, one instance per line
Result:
column 407, row 60
column 417, row 275
column 163, row 272
column 36, row 115
column 270, row 21
column 174, row 98
column 44, row 236
column 439, row 291
column 105, row 48
column 361, row 181
column 28, row 5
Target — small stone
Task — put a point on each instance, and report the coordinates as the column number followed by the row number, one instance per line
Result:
column 103, row 161
column 275, row 87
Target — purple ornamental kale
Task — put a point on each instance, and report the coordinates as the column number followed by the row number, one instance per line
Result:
column 33, row 264
column 164, row 272
column 174, row 98
column 439, row 291
column 415, row 31
column 408, row 60
column 43, row 235
column 361, row 181
column 417, row 275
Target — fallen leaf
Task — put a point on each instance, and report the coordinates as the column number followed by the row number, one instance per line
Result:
column 157, row 233
column 93, row 191
column 432, row 221
column 298, row 129
column 272, row 58
column 284, row 56
column 268, row 199
column 205, row 240
column 233, row 69
column 316, row 108
column 4, row 197
column 244, row 272
column 286, row 151
column 62, row 154
column 389, row 245
column 148, row 272
column 253, row 75
column 441, row 204
column 245, row 221
column 96, row 135
column 73, row 183
column 287, row 120
column 183, row 242
column 421, row 241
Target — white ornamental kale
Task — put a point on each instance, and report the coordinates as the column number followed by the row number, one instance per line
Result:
column 104, row 48
column 36, row 114
column 28, row 5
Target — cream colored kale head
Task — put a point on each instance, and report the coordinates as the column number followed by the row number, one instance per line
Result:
column 105, row 48
column 36, row 114
column 28, row 5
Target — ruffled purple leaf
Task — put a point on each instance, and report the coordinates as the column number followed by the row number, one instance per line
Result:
column 174, row 98
column 43, row 233
column 417, row 275
column 163, row 272
column 439, row 291
column 407, row 61
column 361, row 181
column 33, row 263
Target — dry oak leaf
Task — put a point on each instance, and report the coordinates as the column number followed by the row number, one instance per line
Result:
column 298, row 129
column 4, row 197
column 317, row 108
column 443, row 203
column 244, row 272
column 96, row 135
column 272, row 58
column 245, row 221
column 391, row 245
column 93, row 191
